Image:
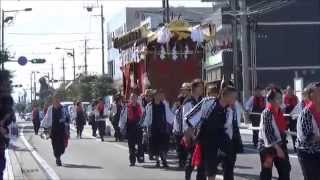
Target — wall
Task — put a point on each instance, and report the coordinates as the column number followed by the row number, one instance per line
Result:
column 294, row 45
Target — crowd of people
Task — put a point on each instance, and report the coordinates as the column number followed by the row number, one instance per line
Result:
column 206, row 128
column 204, row 122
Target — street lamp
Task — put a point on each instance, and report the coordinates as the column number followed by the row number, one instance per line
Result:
column 5, row 20
column 89, row 9
column 72, row 54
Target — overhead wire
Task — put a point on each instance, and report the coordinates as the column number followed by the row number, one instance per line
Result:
column 51, row 33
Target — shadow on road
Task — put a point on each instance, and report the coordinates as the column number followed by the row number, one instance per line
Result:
column 20, row 149
column 170, row 168
column 249, row 176
column 243, row 167
column 83, row 138
column 82, row 166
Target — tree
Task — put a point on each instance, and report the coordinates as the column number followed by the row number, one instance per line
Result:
column 86, row 88
column 104, row 86
column 20, row 107
column 5, row 82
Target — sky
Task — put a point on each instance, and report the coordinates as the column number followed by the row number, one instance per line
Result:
column 65, row 24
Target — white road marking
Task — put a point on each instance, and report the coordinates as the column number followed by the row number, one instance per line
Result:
column 8, row 172
column 52, row 175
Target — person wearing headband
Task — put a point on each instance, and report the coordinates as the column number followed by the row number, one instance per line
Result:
column 308, row 134
column 272, row 144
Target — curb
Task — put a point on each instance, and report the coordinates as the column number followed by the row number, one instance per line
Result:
column 51, row 174
column 8, row 172
column 16, row 166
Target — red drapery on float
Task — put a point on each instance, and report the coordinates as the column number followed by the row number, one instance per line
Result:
column 133, row 75
column 169, row 75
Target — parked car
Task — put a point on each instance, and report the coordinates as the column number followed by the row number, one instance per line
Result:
column 28, row 116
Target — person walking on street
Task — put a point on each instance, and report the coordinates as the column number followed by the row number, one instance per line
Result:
column 35, row 119
column 297, row 110
column 158, row 118
column 92, row 118
column 290, row 102
column 80, row 119
column 57, row 120
column 146, row 138
column 130, row 119
column 212, row 91
column 6, row 118
column 185, row 91
column 272, row 138
column 255, row 105
column 178, row 132
column 100, row 118
column 217, row 133
column 116, row 109
column 197, row 91
column 308, row 134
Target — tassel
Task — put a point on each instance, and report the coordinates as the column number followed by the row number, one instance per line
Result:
column 186, row 52
column 197, row 156
column 162, row 53
column 174, row 53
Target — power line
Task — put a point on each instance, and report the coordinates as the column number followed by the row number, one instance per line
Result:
column 54, row 43
column 52, row 34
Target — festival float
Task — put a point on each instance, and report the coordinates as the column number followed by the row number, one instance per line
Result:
column 162, row 59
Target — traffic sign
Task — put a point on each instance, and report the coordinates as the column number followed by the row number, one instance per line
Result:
column 22, row 60
column 38, row 61
column 17, row 85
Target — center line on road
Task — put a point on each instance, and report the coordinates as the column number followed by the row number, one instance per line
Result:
column 52, row 175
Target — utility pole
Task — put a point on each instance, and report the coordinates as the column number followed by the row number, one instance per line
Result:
column 63, row 72
column 31, row 93
column 2, row 40
column 167, row 11
column 52, row 79
column 102, row 39
column 48, row 74
column 85, row 57
column 244, row 50
column 74, row 64
column 235, row 46
column 35, row 86
column 164, row 11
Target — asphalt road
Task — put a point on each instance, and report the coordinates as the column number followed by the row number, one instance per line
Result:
column 89, row 158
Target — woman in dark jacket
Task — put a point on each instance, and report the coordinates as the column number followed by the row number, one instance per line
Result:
column 80, row 119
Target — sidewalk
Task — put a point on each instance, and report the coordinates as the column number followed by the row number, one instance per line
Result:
column 13, row 169
column 8, row 172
